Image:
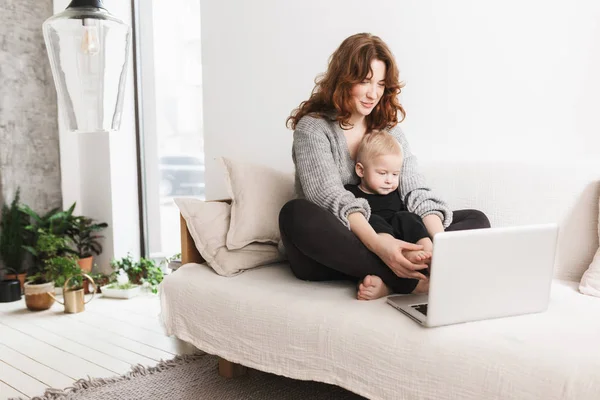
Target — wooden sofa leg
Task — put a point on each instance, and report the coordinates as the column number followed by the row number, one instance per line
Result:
column 227, row 369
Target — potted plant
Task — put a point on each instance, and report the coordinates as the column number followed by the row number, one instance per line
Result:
column 129, row 266
column 55, row 222
column 144, row 272
column 125, row 281
column 83, row 232
column 152, row 274
column 13, row 236
column 55, row 267
column 101, row 280
column 172, row 263
column 121, row 288
column 130, row 276
column 65, row 268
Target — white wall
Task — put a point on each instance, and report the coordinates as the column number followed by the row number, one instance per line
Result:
column 99, row 170
column 484, row 80
column 488, row 80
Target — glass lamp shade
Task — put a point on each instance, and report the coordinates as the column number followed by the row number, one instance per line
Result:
column 88, row 50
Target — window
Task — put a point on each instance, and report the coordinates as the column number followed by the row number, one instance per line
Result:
column 170, row 115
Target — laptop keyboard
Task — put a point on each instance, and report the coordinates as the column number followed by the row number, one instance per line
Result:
column 422, row 308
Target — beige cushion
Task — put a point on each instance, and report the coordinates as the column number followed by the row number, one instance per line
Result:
column 208, row 223
column 257, row 194
column 590, row 281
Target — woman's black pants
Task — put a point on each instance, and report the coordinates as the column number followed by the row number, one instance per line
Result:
column 320, row 248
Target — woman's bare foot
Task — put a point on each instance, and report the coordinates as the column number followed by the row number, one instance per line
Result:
column 422, row 287
column 418, row 256
column 371, row 288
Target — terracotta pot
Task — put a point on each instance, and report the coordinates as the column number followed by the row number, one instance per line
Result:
column 37, row 297
column 86, row 263
column 20, row 277
column 86, row 286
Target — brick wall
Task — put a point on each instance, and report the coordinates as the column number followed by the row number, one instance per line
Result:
column 29, row 141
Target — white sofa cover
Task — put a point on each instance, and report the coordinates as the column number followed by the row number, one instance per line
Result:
column 268, row 320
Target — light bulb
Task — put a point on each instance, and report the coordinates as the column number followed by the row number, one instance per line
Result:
column 89, row 43
column 90, row 85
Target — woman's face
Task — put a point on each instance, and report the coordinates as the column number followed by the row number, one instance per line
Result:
column 366, row 94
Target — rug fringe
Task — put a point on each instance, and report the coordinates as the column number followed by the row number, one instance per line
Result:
column 136, row 371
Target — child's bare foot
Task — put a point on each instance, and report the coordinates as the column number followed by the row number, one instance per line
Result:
column 422, row 287
column 371, row 288
column 418, row 256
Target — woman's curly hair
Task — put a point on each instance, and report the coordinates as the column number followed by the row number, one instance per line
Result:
column 349, row 65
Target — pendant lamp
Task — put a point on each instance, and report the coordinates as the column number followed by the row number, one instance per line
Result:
column 88, row 50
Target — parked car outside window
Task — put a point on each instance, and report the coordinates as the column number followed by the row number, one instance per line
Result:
column 181, row 175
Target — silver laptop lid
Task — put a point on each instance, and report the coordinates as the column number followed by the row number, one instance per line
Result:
column 490, row 273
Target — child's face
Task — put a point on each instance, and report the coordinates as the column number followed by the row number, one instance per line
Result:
column 381, row 175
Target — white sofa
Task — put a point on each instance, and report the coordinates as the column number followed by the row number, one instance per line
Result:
column 266, row 319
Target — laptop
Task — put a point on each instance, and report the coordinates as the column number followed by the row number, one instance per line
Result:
column 485, row 273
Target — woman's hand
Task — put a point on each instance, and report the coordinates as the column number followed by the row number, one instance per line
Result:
column 390, row 251
column 387, row 248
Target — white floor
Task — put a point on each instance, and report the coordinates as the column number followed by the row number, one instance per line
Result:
column 53, row 349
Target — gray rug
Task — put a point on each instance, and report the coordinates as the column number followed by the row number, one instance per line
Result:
column 195, row 378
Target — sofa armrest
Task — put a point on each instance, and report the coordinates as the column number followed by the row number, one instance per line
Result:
column 189, row 252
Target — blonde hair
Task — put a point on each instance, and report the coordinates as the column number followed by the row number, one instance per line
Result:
column 377, row 143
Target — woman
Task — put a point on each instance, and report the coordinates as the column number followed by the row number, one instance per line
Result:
column 325, row 231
